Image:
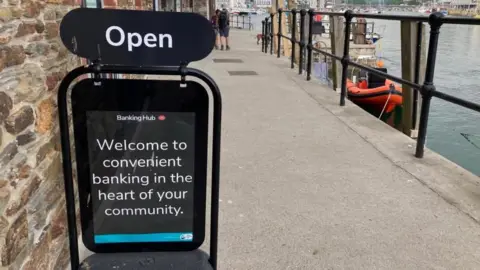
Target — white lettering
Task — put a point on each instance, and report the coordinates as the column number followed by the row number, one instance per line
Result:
column 150, row 38
column 132, row 146
column 137, row 43
column 164, row 210
column 109, row 39
column 161, row 37
column 135, row 40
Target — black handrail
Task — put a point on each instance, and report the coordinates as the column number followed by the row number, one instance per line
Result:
column 239, row 21
column 427, row 89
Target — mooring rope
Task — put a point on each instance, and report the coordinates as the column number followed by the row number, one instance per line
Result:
column 469, row 138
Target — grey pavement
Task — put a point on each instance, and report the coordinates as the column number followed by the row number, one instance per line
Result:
column 306, row 184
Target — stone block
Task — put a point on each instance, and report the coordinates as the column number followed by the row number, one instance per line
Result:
column 26, row 138
column 37, row 49
column 10, row 170
column 3, row 226
column 15, row 240
column 58, row 226
column 51, row 30
column 11, row 56
column 19, row 120
column 5, row 14
column 8, row 153
column 51, row 146
column 6, row 105
column 49, row 15
column 17, row 12
column 40, row 253
column 32, row 9
column 8, row 29
column 44, row 201
column 56, row 249
column 5, row 39
column 63, row 259
column 24, row 85
column 53, row 79
column 61, row 11
column 4, row 197
column 54, row 172
column 26, row 28
column 46, row 112
column 27, row 189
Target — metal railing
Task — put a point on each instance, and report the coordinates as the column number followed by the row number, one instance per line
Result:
column 241, row 21
column 427, row 90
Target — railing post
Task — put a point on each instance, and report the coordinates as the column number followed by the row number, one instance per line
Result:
column 263, row 36
column 279, row 33
column 270, row 36
column 267, row 33
column 435, row 21
column 271, row 33
column 418, row 56
column 310, row 41
column 243, row 22
column 303, row 12
column 346, row 56
column 294, row 38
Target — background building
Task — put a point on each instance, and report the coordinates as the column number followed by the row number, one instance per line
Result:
column 227, row 3
column 263, row 3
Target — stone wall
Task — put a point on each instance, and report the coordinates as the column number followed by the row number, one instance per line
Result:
column 33, row 234
column 201, row 7
column 32, row 62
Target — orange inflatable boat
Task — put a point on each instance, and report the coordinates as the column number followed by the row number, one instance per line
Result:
column 375, row 92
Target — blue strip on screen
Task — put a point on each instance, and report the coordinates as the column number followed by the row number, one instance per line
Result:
column 143, row 238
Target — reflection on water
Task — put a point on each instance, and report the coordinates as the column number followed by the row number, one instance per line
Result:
column 457, row 73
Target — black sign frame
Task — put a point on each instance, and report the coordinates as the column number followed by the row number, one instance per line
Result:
column 116, row 95
column 66, row 149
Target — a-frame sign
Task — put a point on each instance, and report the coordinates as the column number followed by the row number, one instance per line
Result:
column 140, row 145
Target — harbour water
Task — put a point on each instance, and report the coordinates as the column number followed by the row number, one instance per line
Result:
column 457, row 73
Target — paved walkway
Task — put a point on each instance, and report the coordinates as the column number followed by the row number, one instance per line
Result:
column 307, row 184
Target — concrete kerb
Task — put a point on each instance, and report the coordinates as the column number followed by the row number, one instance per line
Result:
column 450, row 181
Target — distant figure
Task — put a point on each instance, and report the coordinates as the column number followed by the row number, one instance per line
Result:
column 259, row 38
column 224, row 27
column 214, row 22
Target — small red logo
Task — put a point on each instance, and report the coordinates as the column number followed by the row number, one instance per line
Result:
column 161, row 117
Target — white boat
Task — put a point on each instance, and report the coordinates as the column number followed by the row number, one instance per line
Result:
column 261, row 11
column 423, row 9
column 374, row 37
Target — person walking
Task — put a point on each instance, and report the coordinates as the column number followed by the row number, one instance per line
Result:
column 214, row 21
column 224, row 28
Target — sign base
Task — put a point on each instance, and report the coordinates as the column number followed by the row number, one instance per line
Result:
column 194, row 260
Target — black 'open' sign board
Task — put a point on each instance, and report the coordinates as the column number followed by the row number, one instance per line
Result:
column 137, row 38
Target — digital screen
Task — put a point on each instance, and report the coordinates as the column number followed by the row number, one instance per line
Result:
column 142, row 176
